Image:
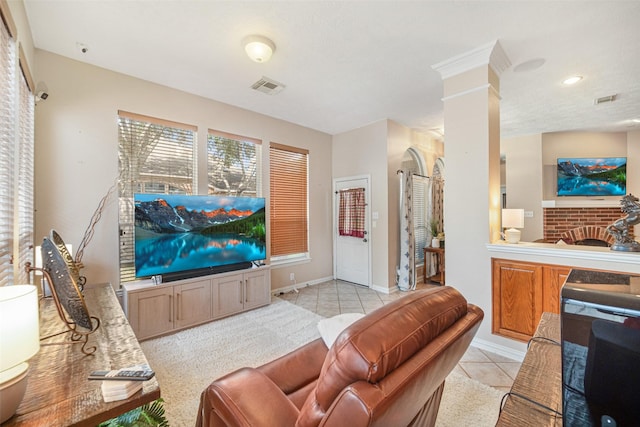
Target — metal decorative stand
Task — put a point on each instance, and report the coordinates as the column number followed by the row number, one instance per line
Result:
column 620, row 229
column 78, row 335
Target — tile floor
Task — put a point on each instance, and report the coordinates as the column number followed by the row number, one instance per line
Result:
column 336, row 297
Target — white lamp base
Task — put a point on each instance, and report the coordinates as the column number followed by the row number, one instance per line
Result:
column 512, row 235
column 11, row 394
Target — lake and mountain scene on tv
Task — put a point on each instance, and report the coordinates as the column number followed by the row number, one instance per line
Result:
column 175, row 233
column 592, row 176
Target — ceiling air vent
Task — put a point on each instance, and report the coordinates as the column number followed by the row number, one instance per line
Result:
column 604, row 99
column 268, row 86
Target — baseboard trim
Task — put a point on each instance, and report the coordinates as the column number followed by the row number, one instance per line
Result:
column 498, row 349
column 295, row 287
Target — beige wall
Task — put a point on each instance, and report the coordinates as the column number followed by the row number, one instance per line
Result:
column 523, row 169
column 531, row 169
column 77, row 157
column 357, row 152
column 578, row 144
column 377, row 150
column 19, row 16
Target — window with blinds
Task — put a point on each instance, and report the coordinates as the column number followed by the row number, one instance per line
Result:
column 289, row 204
column 155, row 156
column 25, row 183
column 16, row 157
column 9, row 115
column 233, row 164
column 420, row 224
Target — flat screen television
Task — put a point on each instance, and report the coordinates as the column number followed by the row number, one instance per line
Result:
column 605, row 176
column 179, row 236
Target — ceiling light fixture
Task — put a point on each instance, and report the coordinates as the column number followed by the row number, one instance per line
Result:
column 258, row 48
column 571, row 80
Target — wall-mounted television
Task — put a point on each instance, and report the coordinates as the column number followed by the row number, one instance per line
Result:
column 179, row 236
column 604, row 176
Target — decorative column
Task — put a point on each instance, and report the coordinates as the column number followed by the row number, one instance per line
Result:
column 472, row 204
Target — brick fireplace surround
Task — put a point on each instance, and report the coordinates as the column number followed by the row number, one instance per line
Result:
column 579, row 223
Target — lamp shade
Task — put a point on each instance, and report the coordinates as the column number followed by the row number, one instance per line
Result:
column 19, row 328
column 512, row 218
column 258, row 48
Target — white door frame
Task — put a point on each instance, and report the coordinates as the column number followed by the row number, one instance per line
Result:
column 367, row 221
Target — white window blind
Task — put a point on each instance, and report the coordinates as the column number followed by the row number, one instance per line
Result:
column 155, row 156
column 420, row 225
column 8, row 112
column 25, row 183
column 289, row 203
column 233, row 164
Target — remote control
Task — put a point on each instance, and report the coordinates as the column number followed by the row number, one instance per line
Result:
column 123, row 374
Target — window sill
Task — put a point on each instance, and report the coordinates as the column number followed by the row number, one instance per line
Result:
column 281, row 261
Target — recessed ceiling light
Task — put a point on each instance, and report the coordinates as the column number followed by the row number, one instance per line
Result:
column 571, row 80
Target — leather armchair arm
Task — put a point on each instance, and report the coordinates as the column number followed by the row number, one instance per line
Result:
column 297, row 369
column 247, row 398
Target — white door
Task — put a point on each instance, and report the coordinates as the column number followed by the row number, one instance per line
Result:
column 352, row 254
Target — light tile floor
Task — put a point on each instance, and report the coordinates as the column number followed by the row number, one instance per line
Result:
column 336, row 297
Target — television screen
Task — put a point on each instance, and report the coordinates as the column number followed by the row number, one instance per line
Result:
column 178, row 233
column 592, row 176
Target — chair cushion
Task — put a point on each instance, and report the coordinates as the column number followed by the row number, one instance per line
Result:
column 375, row 345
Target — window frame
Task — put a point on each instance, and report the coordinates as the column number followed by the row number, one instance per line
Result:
column 282, row 151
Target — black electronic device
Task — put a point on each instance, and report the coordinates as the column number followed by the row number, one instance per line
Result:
column 600, row 322
column 126, row 374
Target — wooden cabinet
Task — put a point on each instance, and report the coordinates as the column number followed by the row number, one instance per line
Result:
column 239, row 292
column 151, row 312
column 257, row 290
column 227, row 293
column 157, row 310
column 517, row 298
column 521, row 292
column 192, row 303
column 554, row 278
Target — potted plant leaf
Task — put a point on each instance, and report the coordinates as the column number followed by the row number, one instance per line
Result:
column 147, row 415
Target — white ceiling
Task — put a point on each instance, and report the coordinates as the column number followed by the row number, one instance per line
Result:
column 346, row 64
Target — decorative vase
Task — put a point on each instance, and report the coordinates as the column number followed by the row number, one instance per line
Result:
column 435, row 242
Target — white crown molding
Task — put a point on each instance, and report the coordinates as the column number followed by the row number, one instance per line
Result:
column 490, row 54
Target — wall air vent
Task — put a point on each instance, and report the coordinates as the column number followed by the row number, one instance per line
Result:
column 604, row 99
column 268, row 86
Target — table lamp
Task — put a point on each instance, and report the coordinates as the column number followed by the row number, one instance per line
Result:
column 511, row 220
column 19, row 341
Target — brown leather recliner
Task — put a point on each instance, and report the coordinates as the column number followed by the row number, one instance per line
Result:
column 386, row 369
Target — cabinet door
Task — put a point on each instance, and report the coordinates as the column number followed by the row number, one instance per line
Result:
column 554, row 278
column 227, row 295
column 151, row 312
column 517, row 298
column 257, row 289
column 193, row 303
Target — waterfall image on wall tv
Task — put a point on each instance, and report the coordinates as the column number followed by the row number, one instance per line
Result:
column 605, row 176
column 177, row 233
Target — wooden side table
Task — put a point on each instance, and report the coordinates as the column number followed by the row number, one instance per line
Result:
column 58, row 391
column 439, row 253
column 539, row 380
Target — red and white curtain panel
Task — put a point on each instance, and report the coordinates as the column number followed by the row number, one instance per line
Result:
column 351, row 212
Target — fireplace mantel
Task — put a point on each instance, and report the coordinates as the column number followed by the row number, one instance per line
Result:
column 581, row 203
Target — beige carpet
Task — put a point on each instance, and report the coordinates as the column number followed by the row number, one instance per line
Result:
column 187, row 361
